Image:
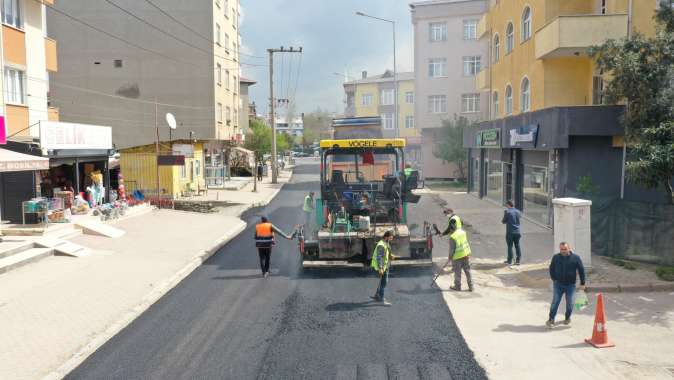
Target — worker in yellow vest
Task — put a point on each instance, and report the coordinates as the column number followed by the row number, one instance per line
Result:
column 452, row 219
column 381, row 262
column 459, row 253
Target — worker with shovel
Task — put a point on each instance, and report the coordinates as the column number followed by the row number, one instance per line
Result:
column 381, row 262
column 459, row 253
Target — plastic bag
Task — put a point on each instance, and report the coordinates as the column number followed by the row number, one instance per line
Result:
column 581, row 301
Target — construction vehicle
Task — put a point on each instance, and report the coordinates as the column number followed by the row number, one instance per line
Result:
column 364, row 193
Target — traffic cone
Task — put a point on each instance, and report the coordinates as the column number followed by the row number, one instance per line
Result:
column 599, row 334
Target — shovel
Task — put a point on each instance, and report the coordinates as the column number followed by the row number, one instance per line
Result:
column 439, row 273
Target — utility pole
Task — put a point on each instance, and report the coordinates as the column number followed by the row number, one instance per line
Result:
column 272, row 104
column 156, row 147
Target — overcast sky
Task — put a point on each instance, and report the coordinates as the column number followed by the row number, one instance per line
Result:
column 334, row 40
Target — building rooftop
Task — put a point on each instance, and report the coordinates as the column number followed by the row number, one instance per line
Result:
column 386, row 77
column 246, row 80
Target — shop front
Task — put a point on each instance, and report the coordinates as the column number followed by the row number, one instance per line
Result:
column 534, row 157
column 17, row 182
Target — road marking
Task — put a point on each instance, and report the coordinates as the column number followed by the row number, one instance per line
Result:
column 645, row 299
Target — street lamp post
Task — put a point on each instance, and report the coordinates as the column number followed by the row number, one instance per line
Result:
column 395, row 71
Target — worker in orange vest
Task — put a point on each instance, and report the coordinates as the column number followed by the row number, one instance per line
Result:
column 265, row 239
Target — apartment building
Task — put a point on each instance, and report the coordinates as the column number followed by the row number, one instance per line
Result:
column 447, row 56
column 245, row 106
column 375, row 96
column 184, row 55
column 548, row 126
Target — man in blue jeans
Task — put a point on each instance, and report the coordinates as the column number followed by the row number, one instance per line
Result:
column 563, row 269
column 511, row 218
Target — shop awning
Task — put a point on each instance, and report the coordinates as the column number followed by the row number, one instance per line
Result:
column 16, row 162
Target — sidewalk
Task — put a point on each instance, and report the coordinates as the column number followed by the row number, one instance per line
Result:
column 57, row 311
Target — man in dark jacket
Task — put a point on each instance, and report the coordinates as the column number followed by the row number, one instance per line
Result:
column 563, row 269
column 511, row 218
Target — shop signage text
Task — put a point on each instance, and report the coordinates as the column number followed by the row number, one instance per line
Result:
column 171, row 160
column 490, row 138
column 524, row 137
column 186, row 150
column 58, row 135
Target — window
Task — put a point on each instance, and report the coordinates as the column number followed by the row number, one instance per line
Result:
column 387, row 97
column 469, row 29
column 526, row 24
column 226, row 8
column 387, row 120
column 15, row 86
column 438, row 31
column 525, row 95
column 227, row 79
column 234, row 18
column 497, row 48
column 236, row 117
column 409, row 122
column 510, row 38
column 11, row 13
column 437, row 104
column 470, row 103
column 217, row 33
column 366, row 99
column 218, row 112
column 197, row 168
column 228, row 115
column 117, row 63
column 495, row 104
column 509, row 100
column 602, row 6
column 236, row 84
column 219, row 70
column 183, row 170
column 598, row 88
column 409, row 97
column 471, row 65
column 227, row 43
column 437, row 67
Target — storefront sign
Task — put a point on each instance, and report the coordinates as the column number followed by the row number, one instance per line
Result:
column 3, row 131
column 186, row 150
column 490, row 138
column 523, row 137
column 58, row 135
column 171, row 160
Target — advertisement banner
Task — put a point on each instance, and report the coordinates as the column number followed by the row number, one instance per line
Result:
column 490, row 138
column 523, row 137
column 59, row 135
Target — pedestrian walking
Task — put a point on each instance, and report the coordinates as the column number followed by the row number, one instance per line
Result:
column 260, row 170
column 564, row 267
column 381, row 263
column 265, row 240
column 459, row 253
column 308, row 209
column 511, row 218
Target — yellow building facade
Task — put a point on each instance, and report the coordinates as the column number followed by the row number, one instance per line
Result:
column 138, row 165
column 538, row 50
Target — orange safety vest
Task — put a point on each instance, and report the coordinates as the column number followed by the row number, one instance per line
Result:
column 264, row 236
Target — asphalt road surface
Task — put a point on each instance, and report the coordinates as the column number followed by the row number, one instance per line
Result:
column 225, row 321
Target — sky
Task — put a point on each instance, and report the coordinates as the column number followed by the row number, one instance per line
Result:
column 334, row 40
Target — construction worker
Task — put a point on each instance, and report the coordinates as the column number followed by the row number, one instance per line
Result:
column 265, row 239
column 408, row 170
column 452, row 219
column 459, row 253
column 381, row 262
column 308, row 209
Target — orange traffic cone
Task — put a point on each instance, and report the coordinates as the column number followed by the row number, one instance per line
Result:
column 599, row 334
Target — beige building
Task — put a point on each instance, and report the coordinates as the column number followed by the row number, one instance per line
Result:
column 375, row 96
column 447, row 56
column 183, row 54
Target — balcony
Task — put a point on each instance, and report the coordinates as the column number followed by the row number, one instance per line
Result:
column 567, row 36
column 50, row 55
column 483, row 26
column 482, row 80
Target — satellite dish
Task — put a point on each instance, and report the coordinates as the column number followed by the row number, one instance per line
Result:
column 171, row 120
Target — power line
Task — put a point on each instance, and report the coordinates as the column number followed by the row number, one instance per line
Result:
column 290, row 68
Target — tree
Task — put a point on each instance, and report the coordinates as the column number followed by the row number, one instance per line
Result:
column 317, row 125
column 449, row 145
column 642, row 76
column 284, row 141
column 258, row 139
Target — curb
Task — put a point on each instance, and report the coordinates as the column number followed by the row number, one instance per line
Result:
column 607, row 288
column 154, row 296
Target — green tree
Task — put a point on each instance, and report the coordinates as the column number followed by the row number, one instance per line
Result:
column 642, row 76
column 259, row 139
column 317, row 126
column 449, row 145
column 284, row 142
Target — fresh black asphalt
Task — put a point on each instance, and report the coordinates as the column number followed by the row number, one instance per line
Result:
column 226, row 322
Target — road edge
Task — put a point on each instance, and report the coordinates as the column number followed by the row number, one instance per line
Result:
column 155, row 295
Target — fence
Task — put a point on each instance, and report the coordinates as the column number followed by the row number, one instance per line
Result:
column 215, row 176
column 633, row 230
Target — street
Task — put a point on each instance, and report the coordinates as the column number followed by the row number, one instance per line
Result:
column 226, row 321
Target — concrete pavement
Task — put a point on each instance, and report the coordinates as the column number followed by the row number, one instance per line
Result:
column 57, row 311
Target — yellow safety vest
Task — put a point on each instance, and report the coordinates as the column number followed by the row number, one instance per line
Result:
column 374, row 263
column 408, row 171
column 457, row 219
column 461, row 243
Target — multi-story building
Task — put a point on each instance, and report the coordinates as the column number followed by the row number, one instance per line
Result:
column 294, row 128
column 245, row 107
column 375, row 96
column 447, row 56
column 549, row 128
column 154, row 58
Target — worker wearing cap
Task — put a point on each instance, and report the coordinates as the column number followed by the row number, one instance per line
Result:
column 381, row 262
column 459, row 253
column 265, row 239
column 452, row 219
